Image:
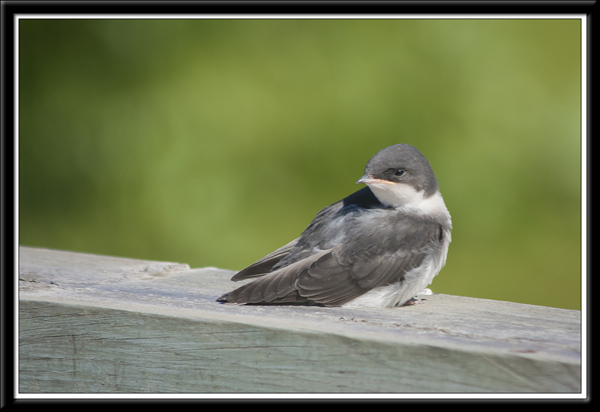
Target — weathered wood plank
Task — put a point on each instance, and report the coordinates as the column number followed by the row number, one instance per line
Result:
column 95, row 324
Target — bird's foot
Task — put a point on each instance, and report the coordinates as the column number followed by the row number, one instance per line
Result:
column 413, row 301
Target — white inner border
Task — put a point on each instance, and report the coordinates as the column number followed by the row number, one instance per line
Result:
column 584, row 337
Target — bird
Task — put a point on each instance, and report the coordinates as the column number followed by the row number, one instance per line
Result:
column 377, row 248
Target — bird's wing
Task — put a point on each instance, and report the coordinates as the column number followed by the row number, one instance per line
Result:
column 362, row 263
column 363, row 198
column 336, row 276
column 277, row 287
column 332, row 283
column 264, row 265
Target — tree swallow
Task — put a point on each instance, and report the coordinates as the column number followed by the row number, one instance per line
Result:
column 378, row 247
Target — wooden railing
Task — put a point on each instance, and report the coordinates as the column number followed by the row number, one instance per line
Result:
column 98, row 324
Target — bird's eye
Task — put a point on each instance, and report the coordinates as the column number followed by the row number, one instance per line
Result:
column 399, row 172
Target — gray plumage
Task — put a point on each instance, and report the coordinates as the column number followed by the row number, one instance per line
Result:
column 390, row 237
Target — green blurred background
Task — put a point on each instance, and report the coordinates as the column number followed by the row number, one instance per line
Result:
column 213, row 142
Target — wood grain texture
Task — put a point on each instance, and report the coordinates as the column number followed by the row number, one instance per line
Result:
column 94, row 324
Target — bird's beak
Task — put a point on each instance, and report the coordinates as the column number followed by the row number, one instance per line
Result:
column 365, row 179
column 368, row 179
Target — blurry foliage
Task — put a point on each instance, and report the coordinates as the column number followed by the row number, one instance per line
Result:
column 213, row 142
